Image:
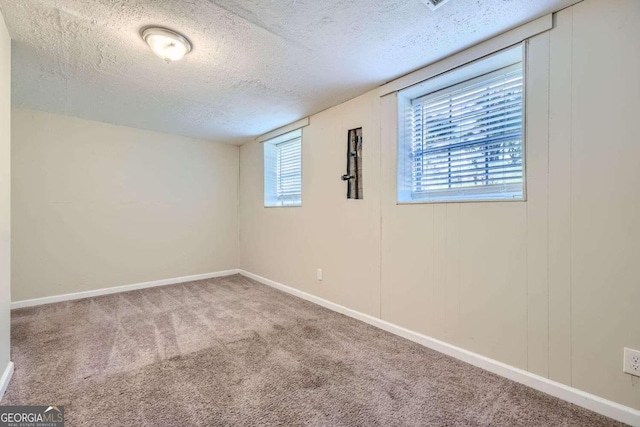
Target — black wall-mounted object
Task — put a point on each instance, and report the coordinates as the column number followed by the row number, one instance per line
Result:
column 353, row 177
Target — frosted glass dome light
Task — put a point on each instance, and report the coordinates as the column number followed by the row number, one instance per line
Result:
column 166, row 44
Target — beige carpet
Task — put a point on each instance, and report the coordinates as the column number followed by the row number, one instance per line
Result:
column 230, row 351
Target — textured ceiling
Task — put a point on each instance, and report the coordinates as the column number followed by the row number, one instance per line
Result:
column 256, row 64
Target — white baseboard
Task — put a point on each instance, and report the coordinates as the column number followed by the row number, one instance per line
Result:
column 586, row 400
column 125, row 288
column 6, row 377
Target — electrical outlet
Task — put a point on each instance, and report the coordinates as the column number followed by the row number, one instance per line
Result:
column 319, row 274
column 632, row 362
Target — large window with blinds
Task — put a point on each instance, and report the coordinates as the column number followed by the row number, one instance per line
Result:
column 283, row 170
column 465, row 142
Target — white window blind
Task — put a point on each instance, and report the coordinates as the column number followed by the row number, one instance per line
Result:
column 283, row 170
column 465, row 142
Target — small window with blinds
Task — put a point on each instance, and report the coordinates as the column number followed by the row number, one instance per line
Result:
column 283, row 170
column 465, row 142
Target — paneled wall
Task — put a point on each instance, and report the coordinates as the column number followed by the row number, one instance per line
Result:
column 549, row 285
column 328, row 231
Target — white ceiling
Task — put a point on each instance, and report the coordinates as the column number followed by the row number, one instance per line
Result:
column 256, row 64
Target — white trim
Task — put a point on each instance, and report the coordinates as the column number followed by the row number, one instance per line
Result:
column 117, row 289
column 284, row 129
column 5, row 379
column 488, row 47
column 586, row 400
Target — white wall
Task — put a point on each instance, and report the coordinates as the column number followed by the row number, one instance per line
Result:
column 97, row 205
column 5, row 193
column 549, row 285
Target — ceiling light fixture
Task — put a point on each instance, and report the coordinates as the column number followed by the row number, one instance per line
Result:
column 167, row 44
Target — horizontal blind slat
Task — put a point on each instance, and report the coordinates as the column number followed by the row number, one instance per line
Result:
column 480, row 172
column 473, row 117
column 430, row 169
column 485, row 140
column 479, row 128
column 448, row 104
column 459, row 107
column 481, row 151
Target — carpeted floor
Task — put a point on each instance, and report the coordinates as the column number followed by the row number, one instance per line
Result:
column 230, row 351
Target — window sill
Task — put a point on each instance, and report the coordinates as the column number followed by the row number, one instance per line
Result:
column 431, row 202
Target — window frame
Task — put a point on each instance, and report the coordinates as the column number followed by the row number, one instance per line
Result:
column 439, row 84
column 270, row 165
